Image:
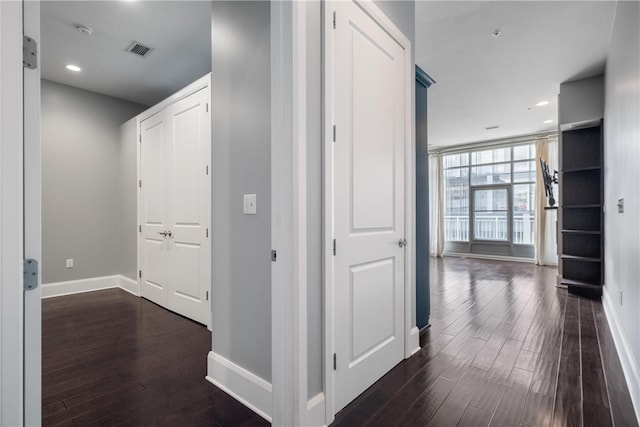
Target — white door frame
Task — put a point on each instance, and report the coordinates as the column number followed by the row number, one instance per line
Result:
column 20, row 377
column 411, row 332
column 33, row 224
column 11, row 215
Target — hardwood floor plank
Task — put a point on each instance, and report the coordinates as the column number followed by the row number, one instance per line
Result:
column 568, row 401
column 511, row 406
column 474, row 417
column 455, row 405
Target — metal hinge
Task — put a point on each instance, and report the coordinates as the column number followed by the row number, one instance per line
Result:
column 334, row 19
column 206, row 170
column 140, row 274
column 207, row 293
column 334, row 246
column 334, row 133
column 335, row 362
column 30, row 274
column 206, row 234
column 29, row 53
column 140, row 229
column 274, row 256
column 140, row 138
column 140, row 183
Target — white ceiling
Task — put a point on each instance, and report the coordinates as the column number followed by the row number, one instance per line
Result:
column 179, row 32
column 483, row 81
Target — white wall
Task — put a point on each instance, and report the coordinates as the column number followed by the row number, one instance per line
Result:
column 81, row 198
column 622, row 180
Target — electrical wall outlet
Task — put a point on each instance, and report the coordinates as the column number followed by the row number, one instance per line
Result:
column 70, row 263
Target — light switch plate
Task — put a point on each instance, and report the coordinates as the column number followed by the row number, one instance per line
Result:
column 249, row 206
column 69, row 263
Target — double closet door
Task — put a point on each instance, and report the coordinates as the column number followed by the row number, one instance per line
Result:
column 175, row 207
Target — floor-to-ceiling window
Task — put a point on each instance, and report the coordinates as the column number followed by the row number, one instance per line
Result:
column 489, row 200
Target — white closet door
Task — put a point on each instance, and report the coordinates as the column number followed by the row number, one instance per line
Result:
column 188, row 207
column 153, row 173
column 369, row 202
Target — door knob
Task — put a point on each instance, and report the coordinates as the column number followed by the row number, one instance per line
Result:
column 402, row 243
column 165, row 233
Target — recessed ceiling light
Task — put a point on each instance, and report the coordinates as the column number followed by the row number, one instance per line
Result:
column 496, row 33
column 542, row 103
column 72, row 67
column 547, row 121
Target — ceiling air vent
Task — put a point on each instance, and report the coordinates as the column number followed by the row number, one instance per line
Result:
column 139, row 49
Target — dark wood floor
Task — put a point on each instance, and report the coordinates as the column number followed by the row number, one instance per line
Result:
column 506, row 348
column 110, row 359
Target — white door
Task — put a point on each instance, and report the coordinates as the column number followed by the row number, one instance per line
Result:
column 369, row 198
column 175, row 207
column 153, row 172
column 188, row 207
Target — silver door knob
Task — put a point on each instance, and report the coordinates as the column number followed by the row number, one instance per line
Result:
column 402, row 243
column 162, row 233
column 168, row 233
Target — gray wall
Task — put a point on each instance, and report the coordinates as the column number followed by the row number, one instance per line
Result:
column 128, row 200
column 80, row 184
column 241, row 132
column 622, row 180
column 581, row 100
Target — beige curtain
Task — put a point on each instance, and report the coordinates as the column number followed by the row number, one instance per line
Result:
column 545, row 244
column 436, row 206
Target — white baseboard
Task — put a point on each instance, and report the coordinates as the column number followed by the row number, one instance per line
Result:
column 58, row 289
column 244, row 386
column 71, row 287
column 315, row 416
column 629, row 363
column 414, row 342
column 130, row 285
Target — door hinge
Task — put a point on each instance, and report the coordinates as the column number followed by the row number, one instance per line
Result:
column 334, row 133
column 139, row 229
column 140, row 183
column 335, row 362
column 29, row 53
column 206, row 233
column 334, row 19
column 30, row 274
column 207, row 293
column 206, row 107
column 334, row 246
column 206, row 172
column 140, row 274
column 274, row 256
column 140, row 138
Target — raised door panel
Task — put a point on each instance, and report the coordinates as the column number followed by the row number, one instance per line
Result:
column 153, row 169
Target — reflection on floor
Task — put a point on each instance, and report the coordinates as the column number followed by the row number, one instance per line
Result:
column 110, row 358
column 505, row 348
